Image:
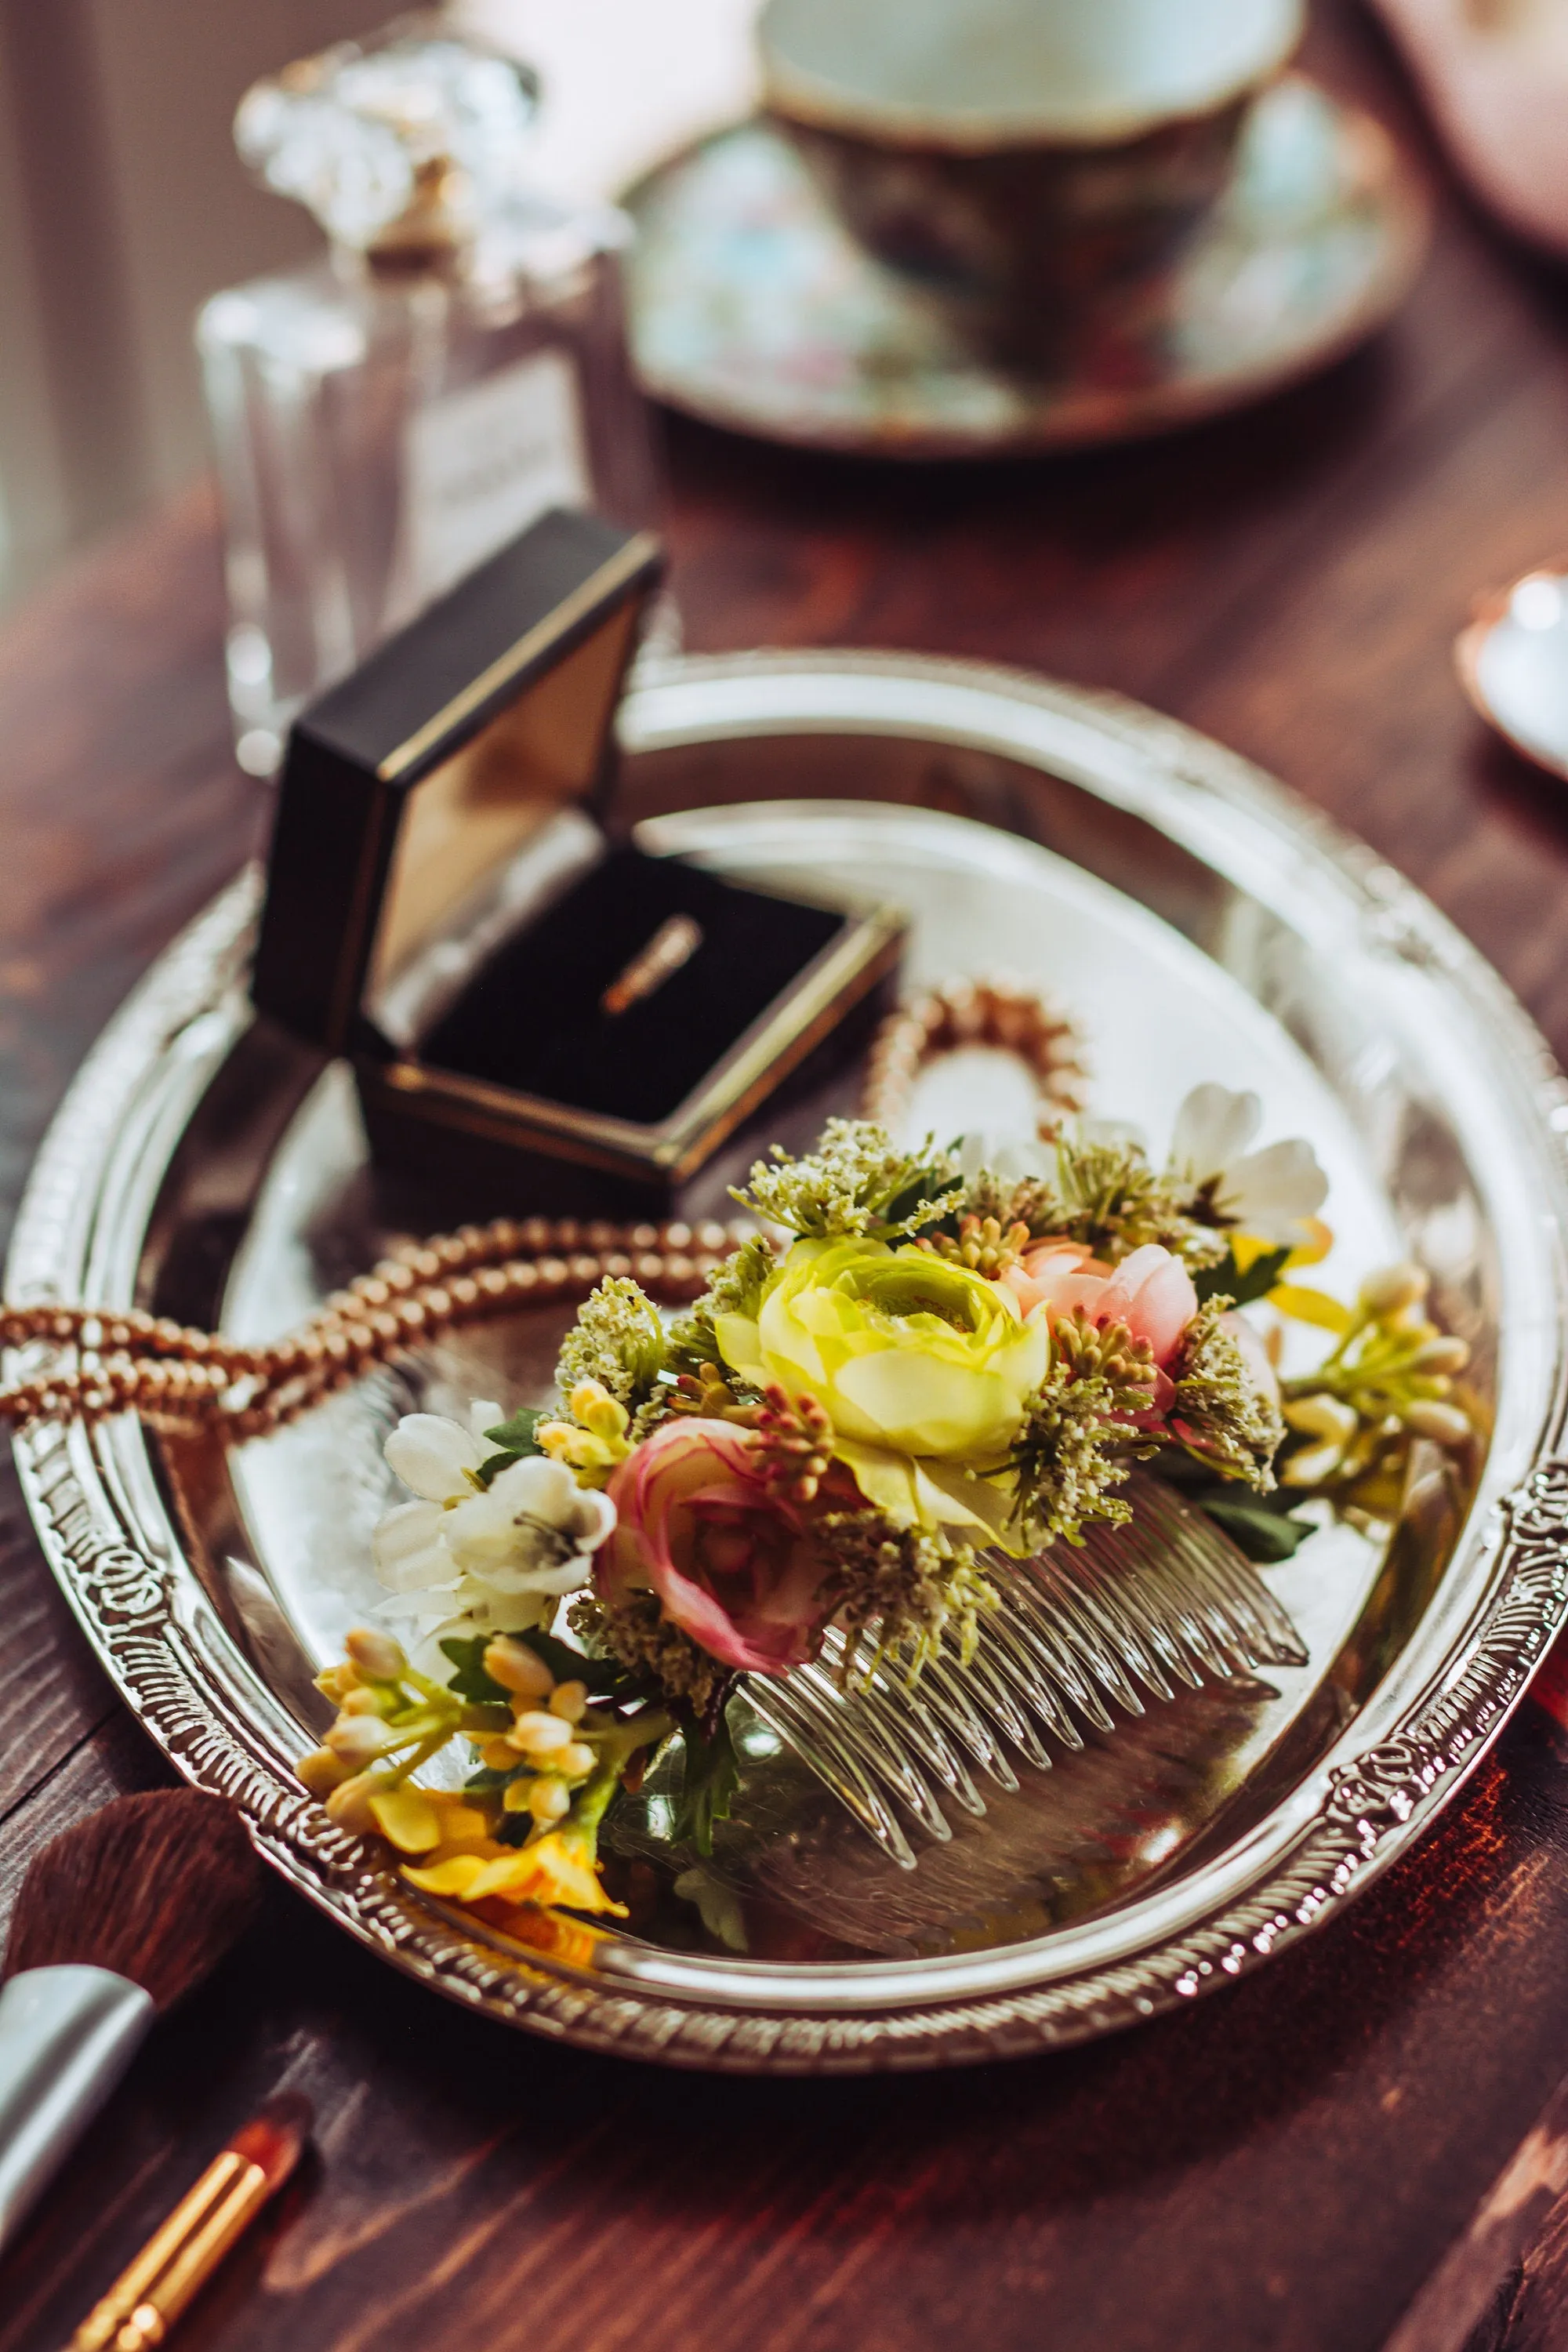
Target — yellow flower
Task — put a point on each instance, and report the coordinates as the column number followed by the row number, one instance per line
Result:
column 595, row 1439
column 922, row 1365
column 555, row 1869
column 419, row 1821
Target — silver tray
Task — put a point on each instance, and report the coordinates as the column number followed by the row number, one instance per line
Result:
column 202, row 1167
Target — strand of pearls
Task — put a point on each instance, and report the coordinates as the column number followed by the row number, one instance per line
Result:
column 965, row 1012
column 188, row 1381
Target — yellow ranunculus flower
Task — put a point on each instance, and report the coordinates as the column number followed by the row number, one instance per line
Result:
column 923, row 1366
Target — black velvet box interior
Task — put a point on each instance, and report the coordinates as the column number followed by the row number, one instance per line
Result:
column 534, row 1018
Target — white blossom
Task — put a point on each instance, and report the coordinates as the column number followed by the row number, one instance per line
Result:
column 1013, row 1158
column 479, row 1550
column 1272, row 1193
column 434, row 1457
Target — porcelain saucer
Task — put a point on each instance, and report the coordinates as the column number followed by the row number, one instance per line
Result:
column 753, row 308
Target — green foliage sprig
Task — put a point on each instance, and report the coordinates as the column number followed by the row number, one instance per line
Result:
column 1220, row 1414
column 1103, row 1194
column 857, row 1182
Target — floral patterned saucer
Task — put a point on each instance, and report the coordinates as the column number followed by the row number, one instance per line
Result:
column 753, row 308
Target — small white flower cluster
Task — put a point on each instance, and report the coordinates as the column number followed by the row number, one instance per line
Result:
column 1272, row 1193
column 392, row 1719
column 490, row 1556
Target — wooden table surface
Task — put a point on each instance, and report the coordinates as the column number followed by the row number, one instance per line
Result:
column 1283, row 2166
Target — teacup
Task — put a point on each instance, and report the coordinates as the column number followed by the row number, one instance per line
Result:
column 1022, row 156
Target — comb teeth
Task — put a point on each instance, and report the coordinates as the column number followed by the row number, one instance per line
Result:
column 1136, row 1612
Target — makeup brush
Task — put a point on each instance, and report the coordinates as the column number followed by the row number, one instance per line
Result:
column 117, row 1918
column 145, row 2300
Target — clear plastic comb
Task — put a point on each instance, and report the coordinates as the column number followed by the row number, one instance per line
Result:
column 1078, row 1632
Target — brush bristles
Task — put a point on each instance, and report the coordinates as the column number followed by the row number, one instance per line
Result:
column 155, row 1887
column 274, row 2138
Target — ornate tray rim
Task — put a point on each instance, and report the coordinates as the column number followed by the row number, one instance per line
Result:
column 117, row 1557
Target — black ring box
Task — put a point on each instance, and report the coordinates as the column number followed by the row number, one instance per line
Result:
column 450, row 903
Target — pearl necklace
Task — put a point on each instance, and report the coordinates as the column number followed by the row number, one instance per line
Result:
column 184, row 1379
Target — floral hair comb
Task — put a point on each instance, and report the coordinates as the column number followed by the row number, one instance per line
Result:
column 944, row 1457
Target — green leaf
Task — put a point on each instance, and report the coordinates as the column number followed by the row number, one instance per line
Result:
column 937, row 1192
column 1258, row 1525
column 1263, row 1535
column 1227, row 1280
column 516, row 1436
column 516, row 1440
column 710, row 1776
column 604, row 1678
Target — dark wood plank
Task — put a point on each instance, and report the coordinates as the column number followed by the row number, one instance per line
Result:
column 52, row 1693
column 111, row 1759
column 1286, row 2166
column 122, row 806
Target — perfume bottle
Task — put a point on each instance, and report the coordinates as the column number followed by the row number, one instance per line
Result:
column 453, row 364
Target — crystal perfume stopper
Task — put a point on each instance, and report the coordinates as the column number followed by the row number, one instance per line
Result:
column 400, row 144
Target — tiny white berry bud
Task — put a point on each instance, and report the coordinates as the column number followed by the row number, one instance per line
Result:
column 1311, row 1468
column 1323, row 1416
column 1442, row 1355
column 321, row 1771
column 575, row 1762
column 376, row 1654
column 349, row 1805
column 517, row 1667
column 569, row 1701
column 1393, row 1288
column 548, row 1800
column 1445, row 1424
column 537, row 1734
column 361, row 1700
column 359, row 1737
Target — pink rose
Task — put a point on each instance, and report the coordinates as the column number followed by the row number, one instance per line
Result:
column 1150, row 1291
column 732, row 1562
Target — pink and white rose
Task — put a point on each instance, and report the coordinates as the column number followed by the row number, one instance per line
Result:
column 1150, row 1291
column 732, row 1561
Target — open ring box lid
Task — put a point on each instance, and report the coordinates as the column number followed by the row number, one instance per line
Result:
column 449, row 902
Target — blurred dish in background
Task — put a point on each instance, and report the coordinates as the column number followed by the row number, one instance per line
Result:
column 754, row 308
column 1513, row 664
column 1005, row 74
column 1495, row 74
column 624, row 84
column 1023, row 157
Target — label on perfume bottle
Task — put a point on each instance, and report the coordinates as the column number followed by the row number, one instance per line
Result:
column 486, row 461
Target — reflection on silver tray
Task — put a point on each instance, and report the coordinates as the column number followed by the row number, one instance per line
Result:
column 753, row 307
column 200, row 1165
